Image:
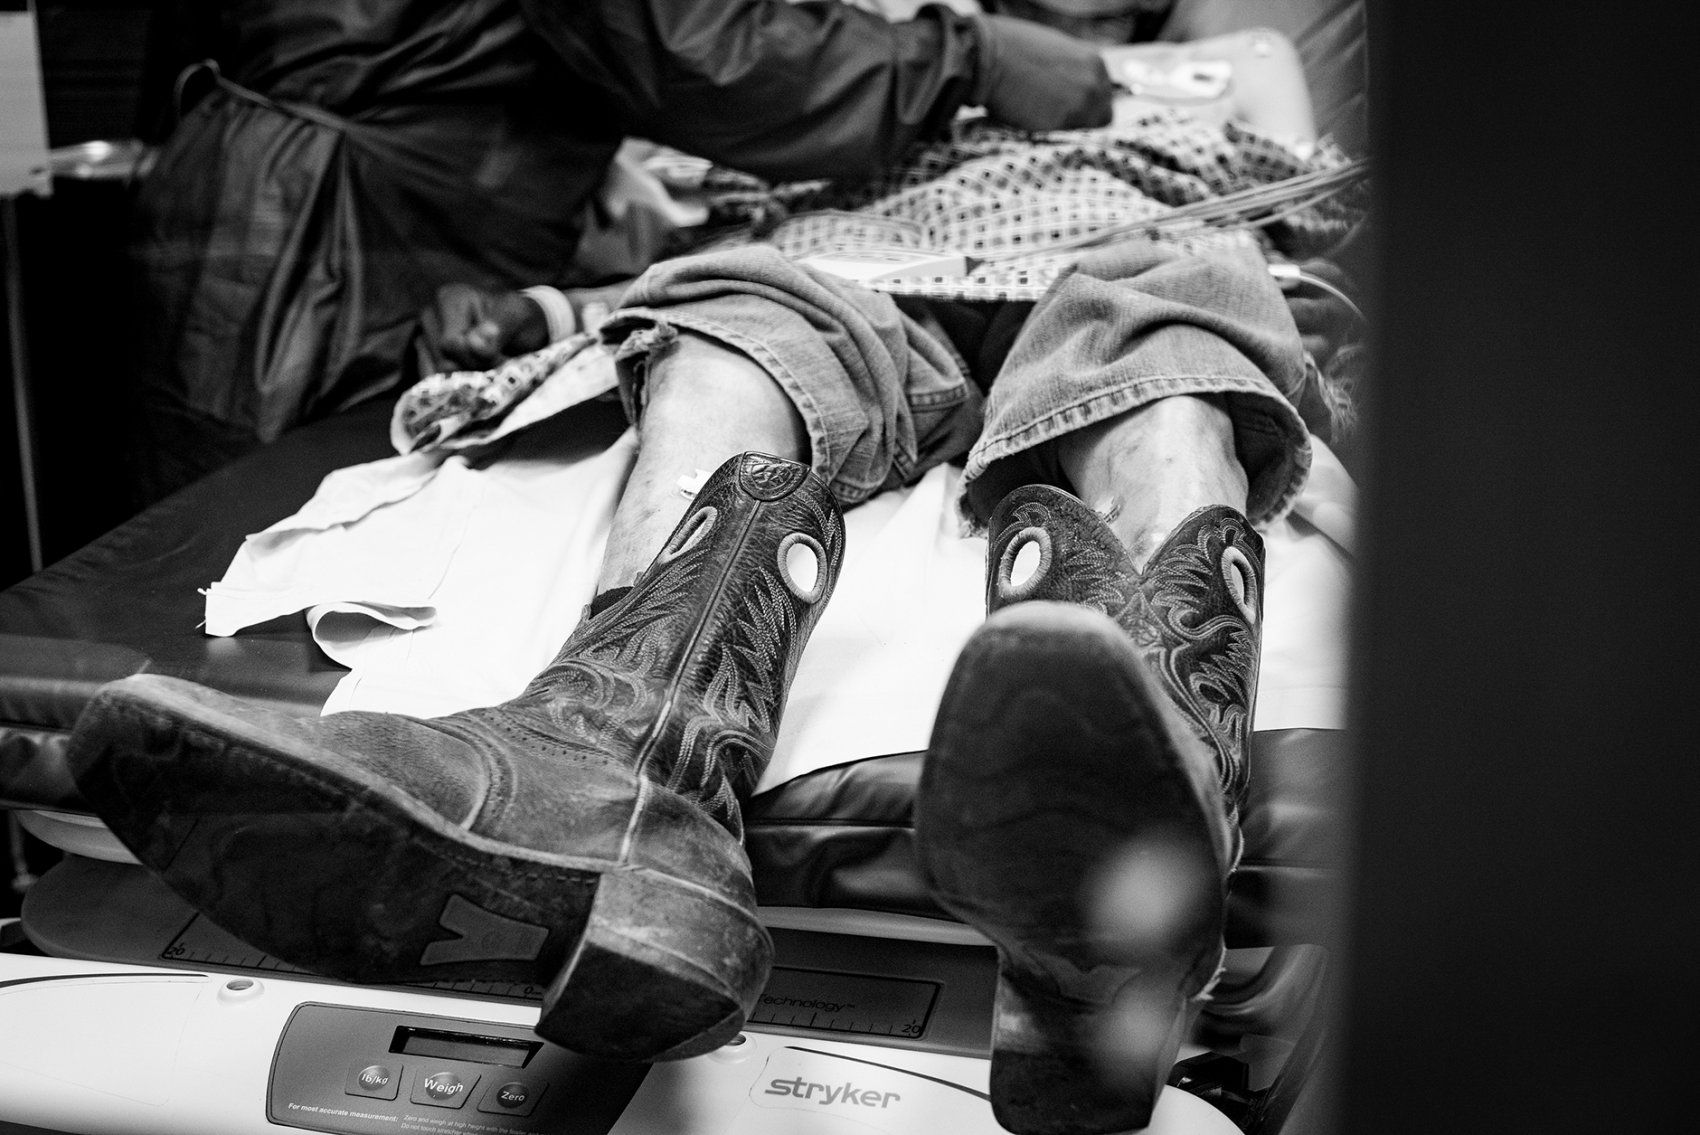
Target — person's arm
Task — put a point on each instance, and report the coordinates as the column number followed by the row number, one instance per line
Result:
column 811, row 90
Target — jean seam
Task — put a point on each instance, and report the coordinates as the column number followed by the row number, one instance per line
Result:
column 937, row 399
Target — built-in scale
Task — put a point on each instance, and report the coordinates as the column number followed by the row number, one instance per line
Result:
column 144, row 1017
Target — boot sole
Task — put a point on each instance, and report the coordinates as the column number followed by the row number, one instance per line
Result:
column 1053, row 748
column 345, row 876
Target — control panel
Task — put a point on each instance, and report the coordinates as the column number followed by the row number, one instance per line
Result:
column 355, row 1070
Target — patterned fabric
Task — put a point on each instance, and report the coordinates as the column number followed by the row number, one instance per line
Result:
column 440, row 406
column 1021, row 205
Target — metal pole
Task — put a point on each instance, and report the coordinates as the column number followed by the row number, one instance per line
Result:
column 20, row 376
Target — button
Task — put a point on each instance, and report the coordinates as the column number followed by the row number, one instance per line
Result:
column 444, row 1088
column 380, row 1081
column 516, row 1097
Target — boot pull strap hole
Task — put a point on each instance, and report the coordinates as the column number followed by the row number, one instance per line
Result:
column 800, row 565
column 1025, row 562
column 696, row 529
column 1241, row 579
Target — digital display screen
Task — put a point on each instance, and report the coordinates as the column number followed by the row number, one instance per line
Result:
column 464, row 1046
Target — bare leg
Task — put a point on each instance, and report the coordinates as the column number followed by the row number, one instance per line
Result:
column 704, row 404
column 1146, row 470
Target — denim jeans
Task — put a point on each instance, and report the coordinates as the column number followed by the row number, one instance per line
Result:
column 889, row 388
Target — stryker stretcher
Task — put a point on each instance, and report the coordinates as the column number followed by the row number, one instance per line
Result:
column 862, row 949
column 121, row 1010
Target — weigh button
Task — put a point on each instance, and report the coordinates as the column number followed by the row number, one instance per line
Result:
column 380, row 1081
column 516, row 1097
column 443, row 1089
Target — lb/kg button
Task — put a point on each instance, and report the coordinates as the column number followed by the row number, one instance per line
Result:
column 380, row 1081
column 515, row 1097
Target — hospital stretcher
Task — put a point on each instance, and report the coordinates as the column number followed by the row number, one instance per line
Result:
column 868, row 968
column 121, row 1010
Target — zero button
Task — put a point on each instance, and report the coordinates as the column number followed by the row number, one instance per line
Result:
column 515, row 1097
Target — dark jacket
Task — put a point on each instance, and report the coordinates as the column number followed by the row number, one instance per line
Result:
column 348, row 158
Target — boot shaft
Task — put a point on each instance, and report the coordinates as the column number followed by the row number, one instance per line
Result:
column 684, row 679
column 1195, row 612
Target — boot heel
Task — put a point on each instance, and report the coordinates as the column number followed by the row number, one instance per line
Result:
column 662, row 972
column 1050, row 1074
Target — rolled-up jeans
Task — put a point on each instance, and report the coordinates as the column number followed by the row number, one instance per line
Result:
column 888, row 388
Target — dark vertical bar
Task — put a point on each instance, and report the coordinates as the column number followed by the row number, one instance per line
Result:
column 1526, row 863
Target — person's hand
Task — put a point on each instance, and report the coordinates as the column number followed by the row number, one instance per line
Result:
column 471, row 328
column 1325, row 316
column 1034, row 78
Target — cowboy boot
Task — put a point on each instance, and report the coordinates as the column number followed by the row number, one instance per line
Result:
column 584, row 836
column 1099, row 709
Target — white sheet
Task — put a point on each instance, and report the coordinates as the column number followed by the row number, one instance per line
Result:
column 444, row 586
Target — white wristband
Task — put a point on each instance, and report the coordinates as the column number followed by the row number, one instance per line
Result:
column 557, row 310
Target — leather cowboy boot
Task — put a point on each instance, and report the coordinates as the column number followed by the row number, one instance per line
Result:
column 584, row 836
column 1100, row 713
